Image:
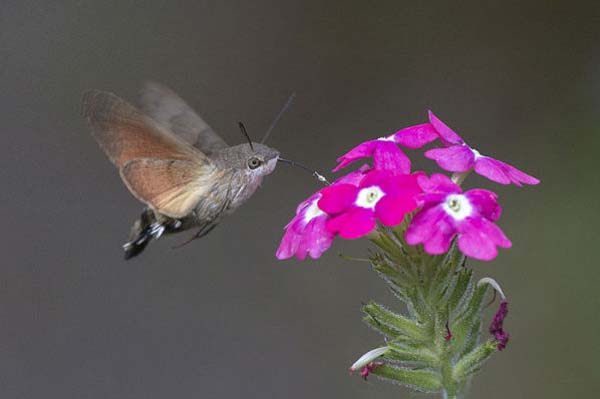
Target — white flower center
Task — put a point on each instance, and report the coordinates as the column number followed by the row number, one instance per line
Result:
column 457, row 206
column 476, row 153
column 312, row 211
column 388, row 138
column 369, row 197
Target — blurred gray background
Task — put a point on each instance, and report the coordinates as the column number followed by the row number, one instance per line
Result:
column 222, row 317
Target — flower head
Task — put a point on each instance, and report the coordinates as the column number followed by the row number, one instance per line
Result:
column 385, row 152
column 386, row 156
column 306, row 233
column 459, row 157
column 380, row 195
column 447, row 212
column 415, row 136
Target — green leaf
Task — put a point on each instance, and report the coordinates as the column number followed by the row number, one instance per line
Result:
column 384, row 329
column 397, row 275
column 422, row 380
column 418, row 303
column 472, row 336
column 391, row 247
column 468, row 322
column 473, row 307
column 446, row 269
column 472, row 362
column 412, row 353
column 461, row 285
column 403, row 325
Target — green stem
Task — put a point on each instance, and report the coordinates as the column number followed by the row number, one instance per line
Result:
column 435, row 347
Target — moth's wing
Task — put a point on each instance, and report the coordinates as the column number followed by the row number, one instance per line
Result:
column 126, row 134
column 171, row 187
column 159, row 168
column 168, row 109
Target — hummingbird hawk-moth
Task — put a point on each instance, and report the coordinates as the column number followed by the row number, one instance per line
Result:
column 172, row 161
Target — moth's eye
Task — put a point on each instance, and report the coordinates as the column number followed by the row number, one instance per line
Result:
column 254, row 163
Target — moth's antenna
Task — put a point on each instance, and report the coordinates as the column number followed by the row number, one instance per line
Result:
column 313, row 172
column 245, row 133
column 279, row 115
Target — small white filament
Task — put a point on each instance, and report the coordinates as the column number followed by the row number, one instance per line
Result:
column 493, row 283
column 368, row 358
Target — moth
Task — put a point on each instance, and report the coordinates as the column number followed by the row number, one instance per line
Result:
column 173, row 162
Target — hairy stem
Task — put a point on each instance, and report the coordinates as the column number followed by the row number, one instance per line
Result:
column 436, row 345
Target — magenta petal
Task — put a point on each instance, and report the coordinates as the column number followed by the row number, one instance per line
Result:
column 430, row 199
column 316, row 237
column 438, row 183
column 288, row 246
column 305, row 233
column 393, row 184
column 485, row 166
column 416, row 136
column 355, row 223
column 387, row 156
column 337, row 198
column 353, row 177
column 457, row 158
column 501, row 172
column 447, row 135
column 390, row 210
column 305, row 204
column 362, row 150
column 518, row 176
column 431, row 228
column 403, row 185
column 485, row 202
column 478, row 238
column 377, row 178
column 335, row 224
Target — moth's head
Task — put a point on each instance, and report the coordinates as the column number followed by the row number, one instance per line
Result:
column 256, row 160
column 261, row 159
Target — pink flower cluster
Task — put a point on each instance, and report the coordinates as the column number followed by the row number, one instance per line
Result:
column 352, row 206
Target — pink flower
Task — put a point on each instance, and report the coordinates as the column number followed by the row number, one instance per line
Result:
column 416, row 136
column 306, row 232
column 385, row 152
column 386, row 156
column 447, row 212
column 381, row 194
column 459, row 157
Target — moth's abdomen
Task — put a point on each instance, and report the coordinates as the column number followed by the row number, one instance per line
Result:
column 212, row 206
